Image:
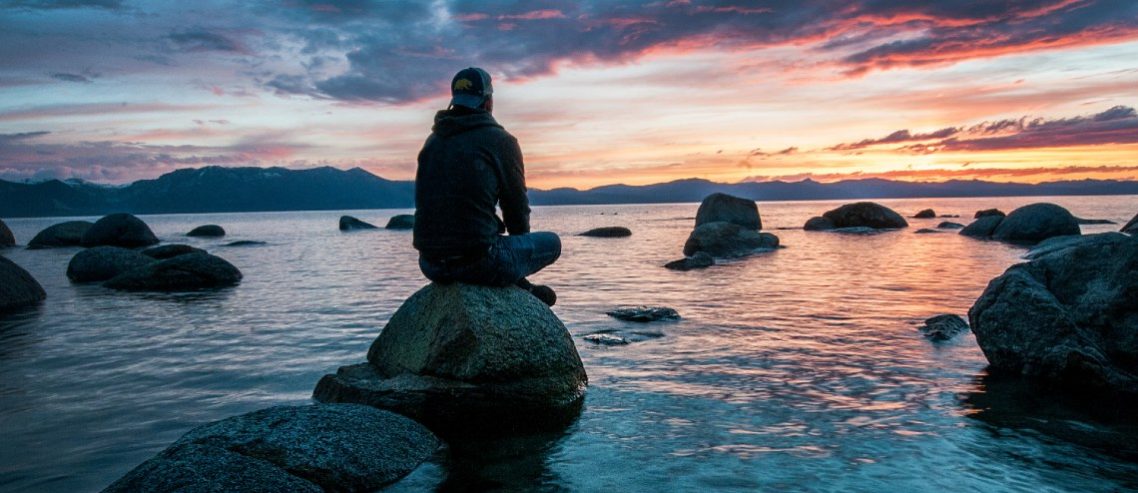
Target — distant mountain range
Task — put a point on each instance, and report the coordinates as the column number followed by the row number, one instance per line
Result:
column 222, row 189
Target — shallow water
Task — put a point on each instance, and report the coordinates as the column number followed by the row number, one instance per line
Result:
column 800, row 369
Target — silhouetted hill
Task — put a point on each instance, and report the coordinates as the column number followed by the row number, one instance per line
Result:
column 221, row 189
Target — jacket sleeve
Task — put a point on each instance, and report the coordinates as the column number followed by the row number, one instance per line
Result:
column 512, row 191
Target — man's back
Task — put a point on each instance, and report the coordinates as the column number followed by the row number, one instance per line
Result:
column 468, row 164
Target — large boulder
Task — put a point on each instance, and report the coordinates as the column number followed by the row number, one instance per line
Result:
column 456, row 354
column 349, row 223
column 6, row 237
column 867, row 215
column 720, row 207
column 401, row 221
column 122, row 230
column 207, row 231
column 104, row 262
column 723, row 239
column 982, row 227
column 1036, row 222
column 1132, row 226
column 608, row 232
column 189, row 272
column 325, row 447
column 1068, row 316
column 66, row 234
column 18, row 288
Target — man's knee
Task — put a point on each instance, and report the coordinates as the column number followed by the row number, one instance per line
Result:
column 551, row 243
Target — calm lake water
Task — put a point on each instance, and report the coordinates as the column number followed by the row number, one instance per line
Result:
column 801, row 369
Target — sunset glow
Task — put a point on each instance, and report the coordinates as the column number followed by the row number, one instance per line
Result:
column 597, row 93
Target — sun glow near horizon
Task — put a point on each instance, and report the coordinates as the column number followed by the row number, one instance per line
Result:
column 684, row 90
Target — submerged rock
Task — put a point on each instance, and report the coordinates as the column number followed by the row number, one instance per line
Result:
column 6, row 237
column 819, row 223
column 720, row 207
column 925, row 214
column 608, row 232
column 1132, row 226
column 18, row 289
column 1067, row 317
column 644, row 313
column 1036, row 222
column 988, row 212
column 349, row 223
column 944, row 327
column 164, row 252
column 865, row 214
column 949, row 225
column 401, row 221
column 122, row 230
column 606, row 339
column 189, row 272
column 66, row 234
column 324, row 447
column 926, row 231
column 700, row 260
column 457, row 354
column 723, row 239
column 244, row 243
column 983, row 227
column 104, row 262
column 208, row 230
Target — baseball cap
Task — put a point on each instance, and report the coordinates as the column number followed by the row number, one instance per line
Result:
column 470, row 87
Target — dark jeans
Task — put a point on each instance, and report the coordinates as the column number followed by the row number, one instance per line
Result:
column 509, row 260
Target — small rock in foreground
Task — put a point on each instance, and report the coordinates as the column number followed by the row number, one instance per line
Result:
column 401, row 221
column 944, row 327
column 701, row 260
column 644, row 313
column 349, row 223
column 66, row 234
column 164, row 252
column 323, row 447
column 606, row 340
column 208, row 230
column 104, row 262
column 18, row 288
column 608, row 232
column 189, row 272
column 122, row 230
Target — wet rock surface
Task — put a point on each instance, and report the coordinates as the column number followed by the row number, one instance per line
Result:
column 349, row 223
column 189, row 272
column 608, row 232
column 401, row 221
column 208, row 231
column 944, row 327
column 699, row 260
column 643, row 313
column 323, row 447
column 1067, row 317
column 104, row 262
column 18, row 289
column 65, row 234
column 122, row 230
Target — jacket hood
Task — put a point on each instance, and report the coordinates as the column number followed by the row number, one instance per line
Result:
column 451, row 122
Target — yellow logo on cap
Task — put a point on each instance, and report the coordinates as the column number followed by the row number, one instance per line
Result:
column 463, row 85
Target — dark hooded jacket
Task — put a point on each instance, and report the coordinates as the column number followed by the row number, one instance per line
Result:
column 468, row 165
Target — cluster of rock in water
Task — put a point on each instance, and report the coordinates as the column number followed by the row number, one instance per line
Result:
column 456, row 358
